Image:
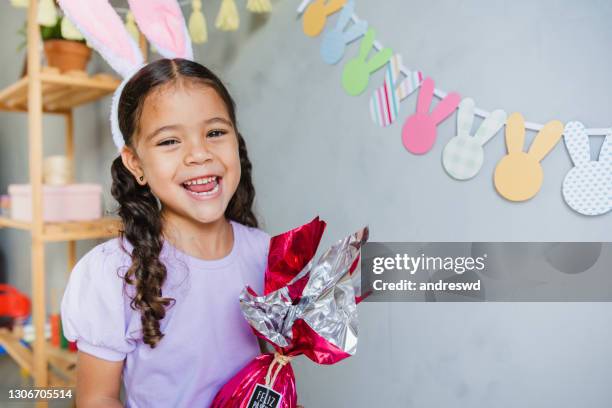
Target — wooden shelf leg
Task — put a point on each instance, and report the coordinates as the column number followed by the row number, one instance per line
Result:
column 38, row 312
column 69, row 118
column 39, row 363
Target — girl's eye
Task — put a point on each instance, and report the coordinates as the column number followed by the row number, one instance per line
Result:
column 168, row 142
column 216, row 133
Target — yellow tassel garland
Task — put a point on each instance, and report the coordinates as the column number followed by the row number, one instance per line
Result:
column 259, row 6
column 197, row 23
column 227, row 19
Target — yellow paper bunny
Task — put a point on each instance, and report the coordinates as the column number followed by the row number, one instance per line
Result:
column 518, row 175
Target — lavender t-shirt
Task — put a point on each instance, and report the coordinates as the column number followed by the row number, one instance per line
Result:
column 206, row 338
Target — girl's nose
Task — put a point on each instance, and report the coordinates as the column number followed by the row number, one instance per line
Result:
column 198, row 153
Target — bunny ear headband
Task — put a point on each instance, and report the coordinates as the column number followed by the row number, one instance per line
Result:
column 161, row 21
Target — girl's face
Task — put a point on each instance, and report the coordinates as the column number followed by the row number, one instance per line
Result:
column 187, row 151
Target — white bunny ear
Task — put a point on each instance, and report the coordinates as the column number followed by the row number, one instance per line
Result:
column 465, row 117
column 577, row 143
column 490, row 126
column 163, row 23
column 103, row 28
column 605, row 154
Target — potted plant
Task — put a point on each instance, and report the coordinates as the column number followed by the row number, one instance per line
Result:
column 64, row 46
column 61, row 52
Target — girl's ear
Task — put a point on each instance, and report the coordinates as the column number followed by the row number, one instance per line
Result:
column 103, row 28
column 131, row 161
column 163, row 23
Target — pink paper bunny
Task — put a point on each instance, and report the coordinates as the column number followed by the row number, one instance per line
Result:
column 419, row 132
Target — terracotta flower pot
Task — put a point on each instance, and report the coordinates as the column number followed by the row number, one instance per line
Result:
column 67, row 55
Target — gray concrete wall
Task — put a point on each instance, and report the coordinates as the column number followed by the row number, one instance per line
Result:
column 316, row 151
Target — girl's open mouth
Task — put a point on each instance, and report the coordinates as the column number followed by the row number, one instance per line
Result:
column 204, row 187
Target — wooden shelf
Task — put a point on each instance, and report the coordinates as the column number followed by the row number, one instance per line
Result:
column 20, row 353
column 60, row 360
column 60, row 91
column 106, row 227
column 46, row 90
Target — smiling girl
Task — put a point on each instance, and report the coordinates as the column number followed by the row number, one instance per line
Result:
column 158, row 305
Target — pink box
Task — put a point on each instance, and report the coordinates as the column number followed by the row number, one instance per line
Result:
column 70, row 202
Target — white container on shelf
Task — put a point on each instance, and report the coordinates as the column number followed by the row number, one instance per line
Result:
column 70, row 202
column 57, row 170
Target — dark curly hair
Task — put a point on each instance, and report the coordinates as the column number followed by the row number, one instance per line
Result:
column 138, row 207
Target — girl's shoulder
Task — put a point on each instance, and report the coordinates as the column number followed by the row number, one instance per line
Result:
column 252, row 237
column 109, row 255
column 253, row 245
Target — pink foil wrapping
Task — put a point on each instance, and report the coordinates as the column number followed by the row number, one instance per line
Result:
column 307, row 308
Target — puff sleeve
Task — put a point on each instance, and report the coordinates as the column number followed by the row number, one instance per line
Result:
column 93, row 308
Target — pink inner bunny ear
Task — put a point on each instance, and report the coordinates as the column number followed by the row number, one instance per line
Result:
column 162, row 22
column 100, row 24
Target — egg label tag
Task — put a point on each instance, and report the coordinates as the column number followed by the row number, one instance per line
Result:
column 264, row 397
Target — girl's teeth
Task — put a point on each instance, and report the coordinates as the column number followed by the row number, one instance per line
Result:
column 206, row 193
column 200, row 181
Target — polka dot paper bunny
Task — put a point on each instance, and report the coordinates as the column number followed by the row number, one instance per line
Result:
column 587, row 188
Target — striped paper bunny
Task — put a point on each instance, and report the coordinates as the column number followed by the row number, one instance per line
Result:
column 385, row 102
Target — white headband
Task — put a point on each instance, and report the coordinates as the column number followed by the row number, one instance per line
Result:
column 161, row 21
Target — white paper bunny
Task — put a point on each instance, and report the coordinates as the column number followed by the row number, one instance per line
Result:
column 587, row 188
column 463, row 155
column 161, row 21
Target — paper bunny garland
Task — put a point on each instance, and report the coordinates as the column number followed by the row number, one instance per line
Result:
column 316, row 14
column 519, row 175
column 161, row 21
column 587, row 188
column 335, row 40
column 463, row 155
column 385, row 102
column 356, row 73
column 419, row 132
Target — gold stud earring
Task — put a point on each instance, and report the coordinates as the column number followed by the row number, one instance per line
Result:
column 141, row 178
